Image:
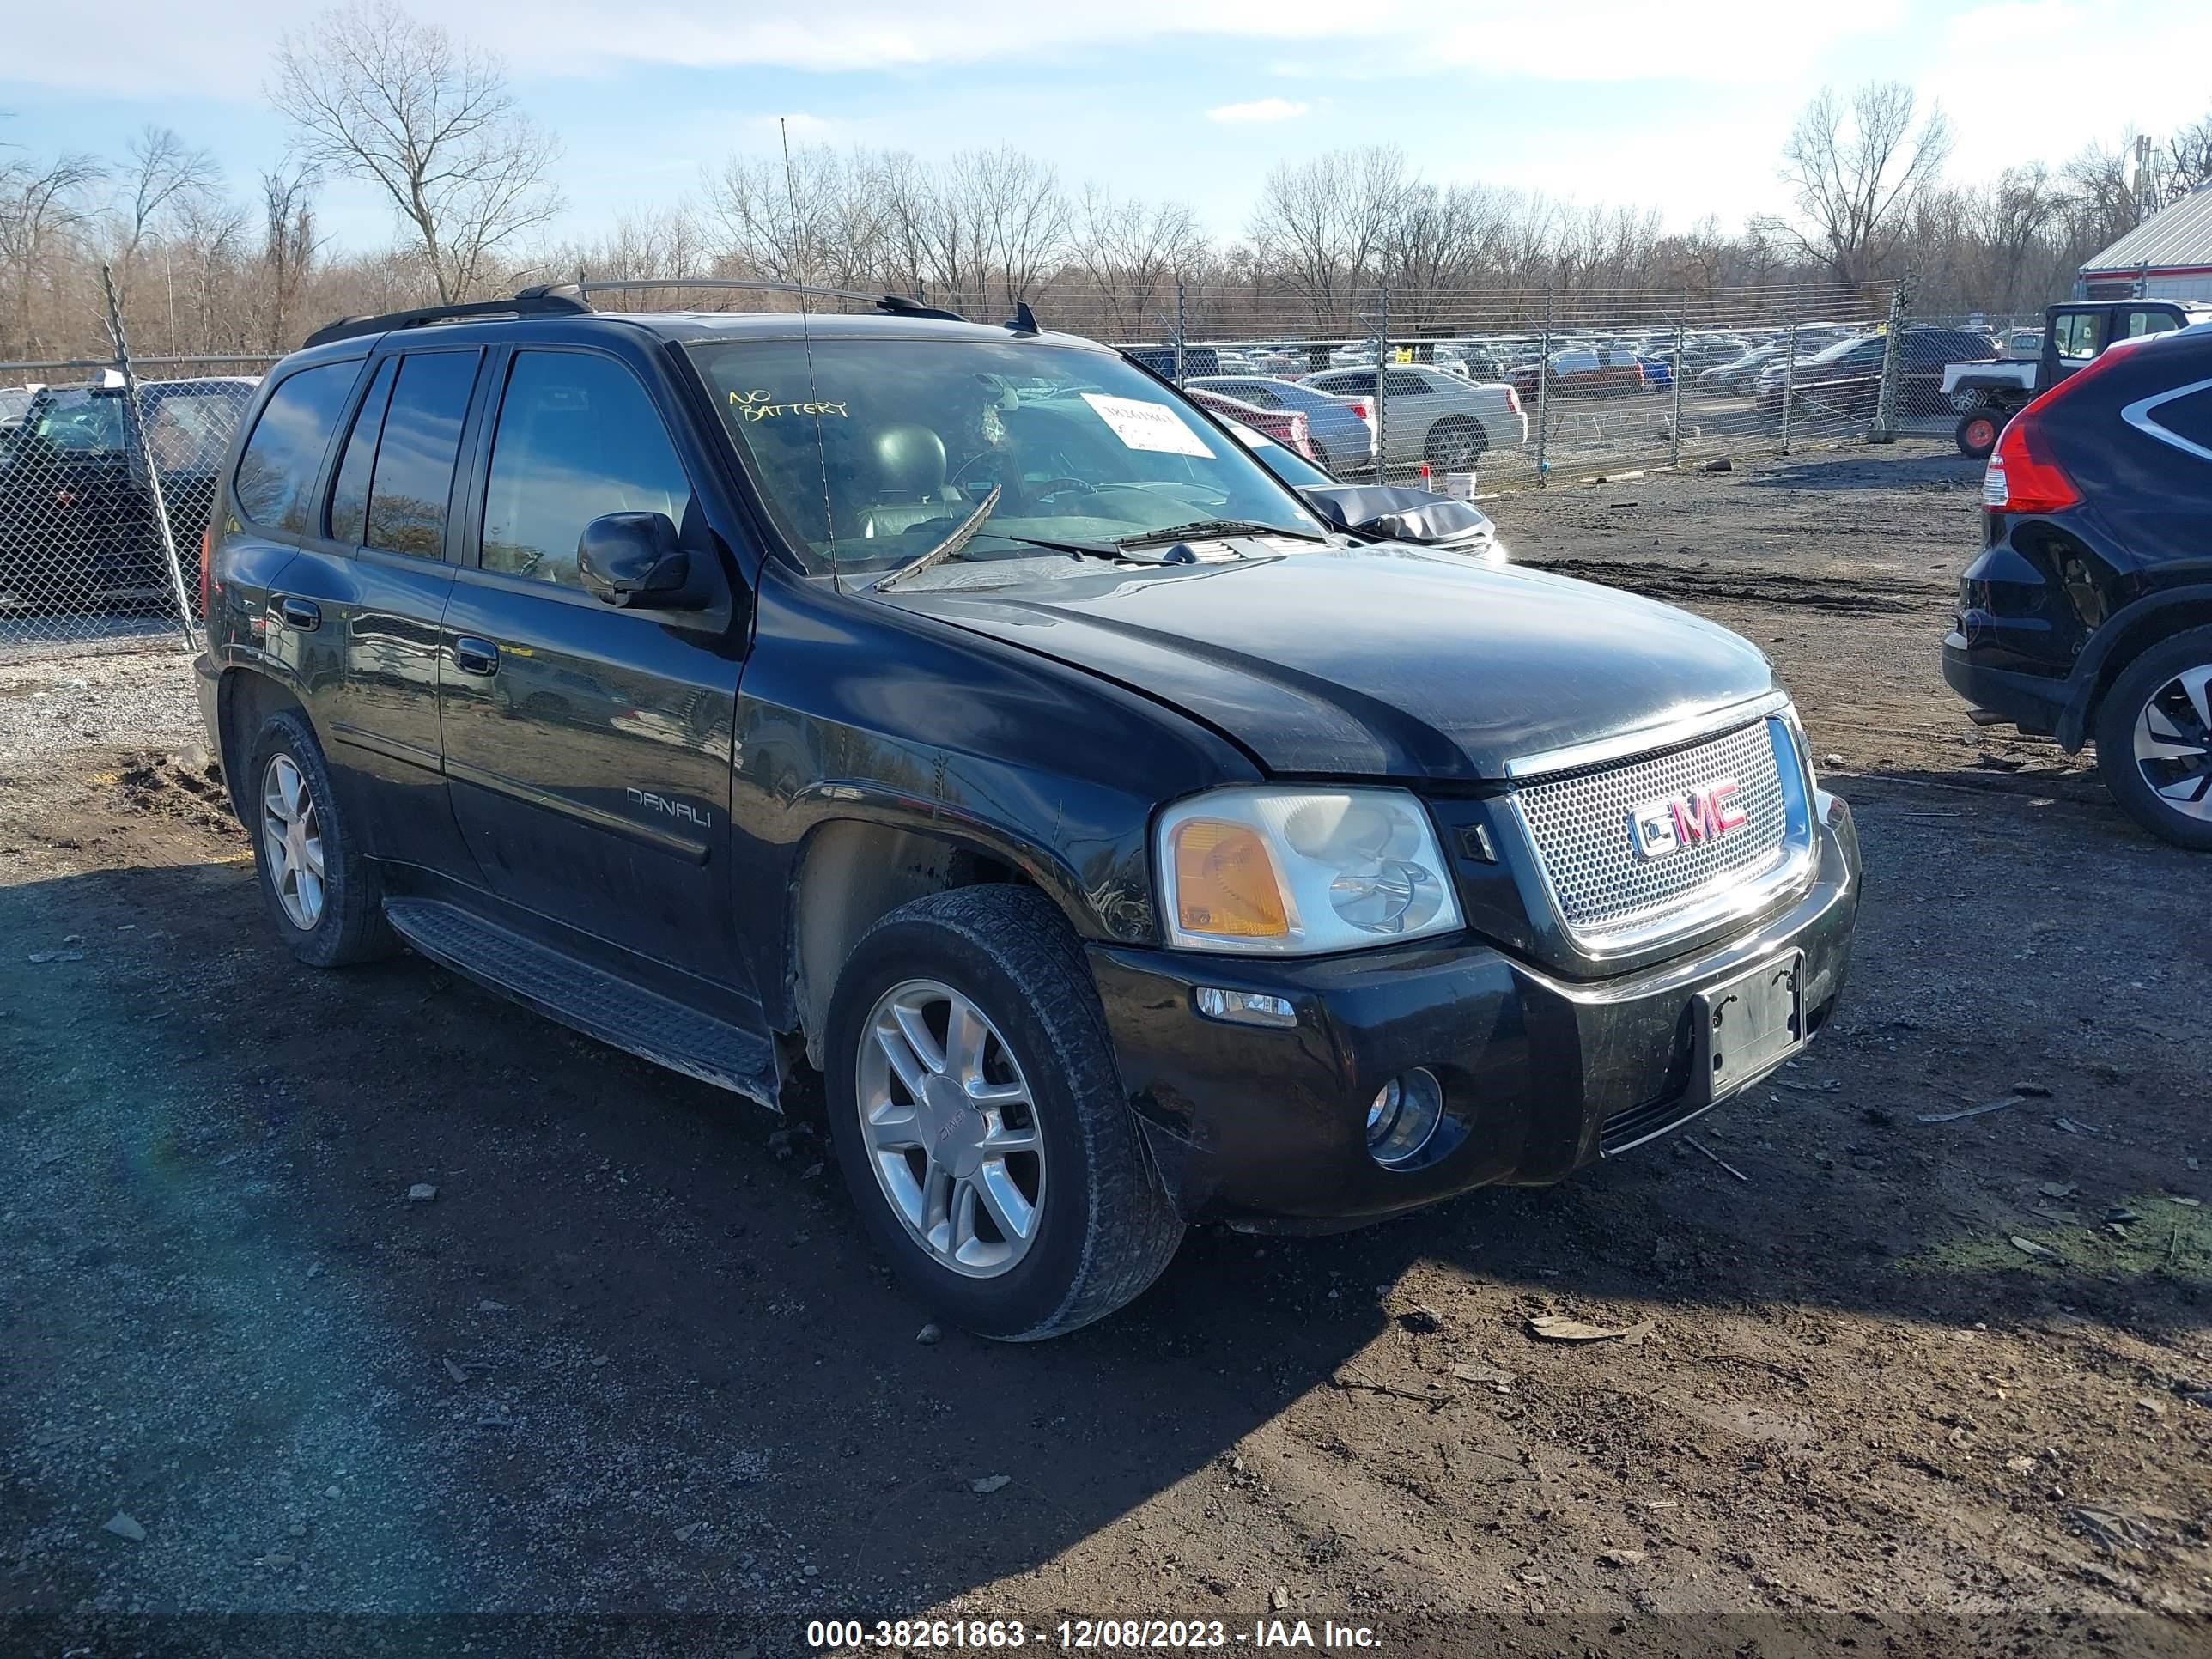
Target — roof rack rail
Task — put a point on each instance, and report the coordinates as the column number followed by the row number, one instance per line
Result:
column 896, row 305
column 548, row 300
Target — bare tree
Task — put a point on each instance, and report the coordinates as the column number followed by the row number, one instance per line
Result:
column 1132, row 253
column 161, row 172
column 1022, row 214
column 2189, row 159
column 287, row 245
column 1325, row 224
column 375, row 94
column 1856, row 172
column 41, row 204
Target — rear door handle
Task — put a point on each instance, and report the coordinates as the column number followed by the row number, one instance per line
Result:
column 303, row 614
column 475, row 656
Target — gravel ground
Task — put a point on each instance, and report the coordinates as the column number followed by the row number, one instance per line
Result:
column 51, row 707
column 1893, row 1384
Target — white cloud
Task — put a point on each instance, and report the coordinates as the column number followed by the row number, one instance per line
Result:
column 154, row 47
column 1260, row 109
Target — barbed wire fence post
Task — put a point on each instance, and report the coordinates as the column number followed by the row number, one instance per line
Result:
column 1789, row 377
column 1674, row 384
column 1543, row 387
column 142, row 453
column 1182, row 329
column 1884, row 430
column 1382, row 385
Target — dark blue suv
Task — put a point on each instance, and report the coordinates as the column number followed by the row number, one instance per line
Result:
column 960, row 712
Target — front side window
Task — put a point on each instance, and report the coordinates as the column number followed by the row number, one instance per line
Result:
column 577, row 438
column 413, row 479
column 276, row 472
column 870, row 452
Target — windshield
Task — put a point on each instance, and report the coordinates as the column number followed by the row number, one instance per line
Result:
column 878, row 450
column 72, row 418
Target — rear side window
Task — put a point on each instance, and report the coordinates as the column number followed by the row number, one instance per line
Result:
column 2151, row 322
column 277, row 473
column 578, row 437
column 2188, row 418
column 2080, row 335
column 349, row 495
column 413, row 479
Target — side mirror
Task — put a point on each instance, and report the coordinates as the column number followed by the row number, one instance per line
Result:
column 632, row 560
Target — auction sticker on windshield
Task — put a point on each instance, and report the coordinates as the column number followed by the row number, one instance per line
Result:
column 1141, row 425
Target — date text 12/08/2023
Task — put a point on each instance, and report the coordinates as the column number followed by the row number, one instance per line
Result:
column 835, row 1635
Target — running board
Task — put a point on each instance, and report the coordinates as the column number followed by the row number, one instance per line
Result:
column 589, row 1000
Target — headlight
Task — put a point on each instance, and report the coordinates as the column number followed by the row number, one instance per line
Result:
column 1299, row 872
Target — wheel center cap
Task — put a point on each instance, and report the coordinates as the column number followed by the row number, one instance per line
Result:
column 952, row 1125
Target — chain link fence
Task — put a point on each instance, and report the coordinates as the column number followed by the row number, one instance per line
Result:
column 1521, row 388
column 107, row 474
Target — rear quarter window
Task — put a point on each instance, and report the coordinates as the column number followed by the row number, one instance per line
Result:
column 276, row 469
column 2189, row 419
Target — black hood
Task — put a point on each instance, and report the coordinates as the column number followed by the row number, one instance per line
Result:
column 1376, row 661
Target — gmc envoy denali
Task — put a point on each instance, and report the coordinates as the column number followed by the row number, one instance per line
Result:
column 957, row 710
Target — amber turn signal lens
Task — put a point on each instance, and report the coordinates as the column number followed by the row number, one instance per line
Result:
column 1225, row 882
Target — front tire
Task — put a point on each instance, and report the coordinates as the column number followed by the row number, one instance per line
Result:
column 1976, row 435
column 2154, row 740
column 318, row 889
column 977, row 1114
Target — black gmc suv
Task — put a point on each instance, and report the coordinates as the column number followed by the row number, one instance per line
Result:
column 2088, row 614
column 957, row 710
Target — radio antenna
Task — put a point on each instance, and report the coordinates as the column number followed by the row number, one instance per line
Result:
column 806, row 339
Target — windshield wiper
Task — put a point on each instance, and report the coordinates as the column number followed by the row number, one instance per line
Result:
column 962, row 533
column 1218, row 527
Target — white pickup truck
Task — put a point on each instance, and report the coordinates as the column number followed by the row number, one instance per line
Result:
column 1987, row 395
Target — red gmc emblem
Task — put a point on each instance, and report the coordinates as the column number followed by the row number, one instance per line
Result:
column 1706, row 813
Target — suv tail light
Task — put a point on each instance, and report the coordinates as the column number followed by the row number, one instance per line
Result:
column 207, row 560
column 1512, row 399
column 2022, row 476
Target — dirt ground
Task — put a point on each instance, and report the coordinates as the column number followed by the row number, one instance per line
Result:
column 1907, row 1386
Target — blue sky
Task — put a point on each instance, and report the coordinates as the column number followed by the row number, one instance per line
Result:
column 1681, row 107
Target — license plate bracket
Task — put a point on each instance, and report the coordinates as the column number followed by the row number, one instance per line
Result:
column 1746, row 1026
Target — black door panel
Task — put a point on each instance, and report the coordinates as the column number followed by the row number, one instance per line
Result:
column 587, row 747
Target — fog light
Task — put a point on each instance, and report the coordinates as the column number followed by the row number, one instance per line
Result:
column 1403, row 1116
column 1245, row 1008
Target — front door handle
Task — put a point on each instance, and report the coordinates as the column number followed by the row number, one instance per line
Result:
column 475, row 656
column 304, row 615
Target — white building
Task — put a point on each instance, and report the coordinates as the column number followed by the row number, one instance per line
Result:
column 2167, row 257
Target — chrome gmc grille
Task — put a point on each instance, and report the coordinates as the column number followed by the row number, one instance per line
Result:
column 1581, row 824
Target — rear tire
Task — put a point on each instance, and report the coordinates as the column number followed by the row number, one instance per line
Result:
column 1976, row 434
column 1101, row 1229
column 2154, row 740
column 322, row 893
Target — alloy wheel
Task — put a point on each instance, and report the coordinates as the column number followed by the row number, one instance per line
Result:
column 1456, row 448
column 292, row 841
column 2173, row 742
column 951, row 1128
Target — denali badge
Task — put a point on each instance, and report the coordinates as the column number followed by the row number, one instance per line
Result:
column 1706, row 813
column 674, row 808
